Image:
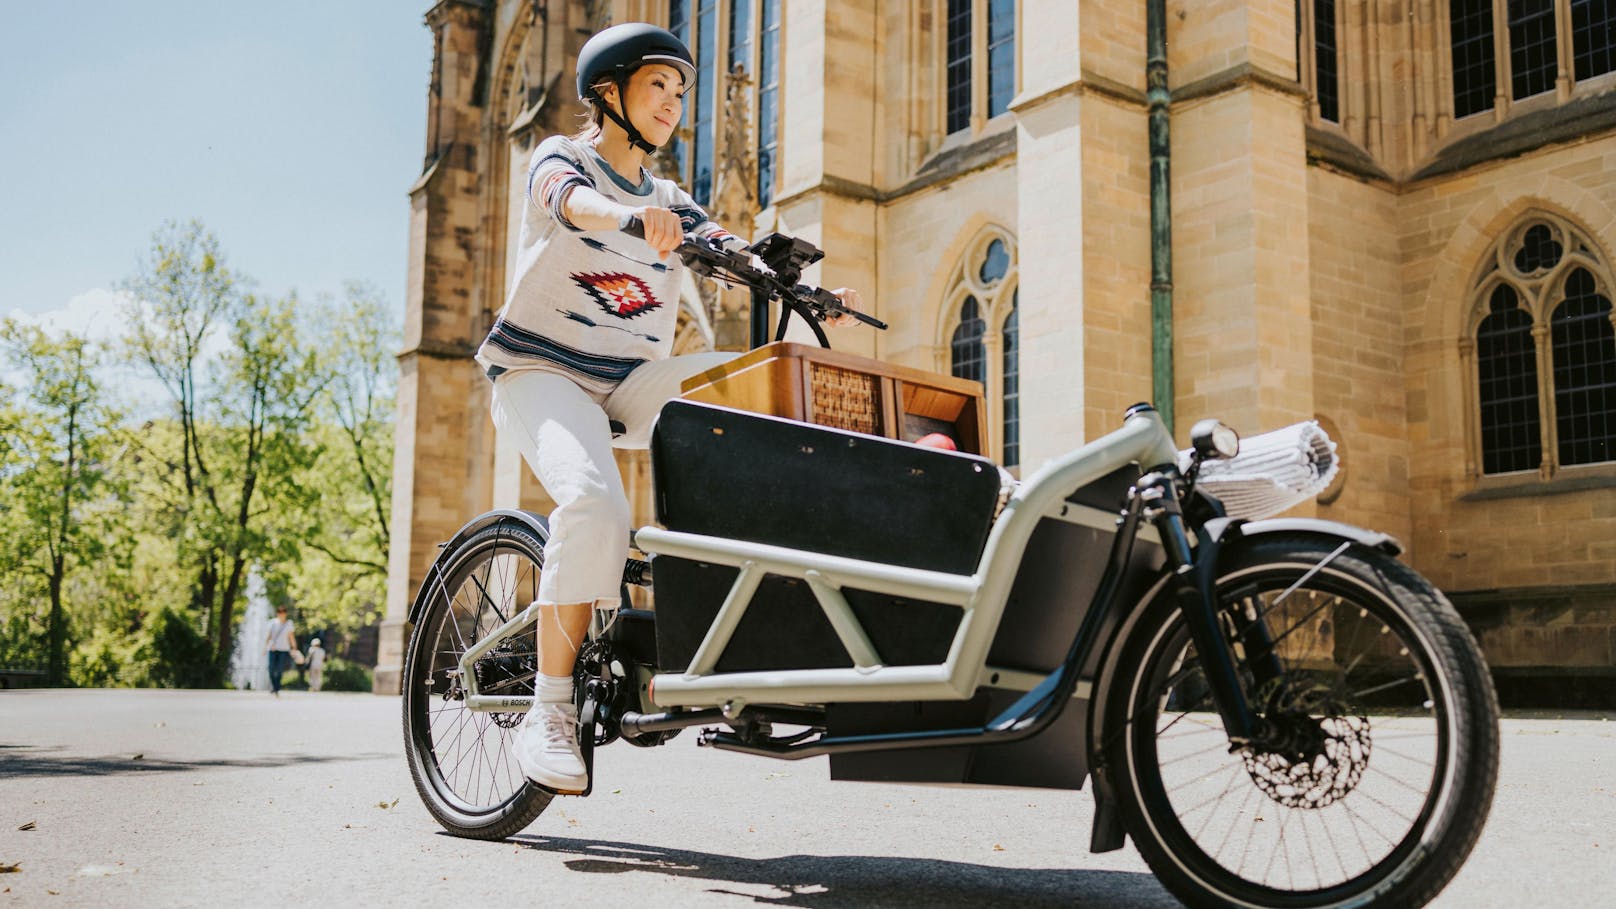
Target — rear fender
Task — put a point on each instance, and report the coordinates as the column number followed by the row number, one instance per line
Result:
column 1228, row 536
column 537, row 523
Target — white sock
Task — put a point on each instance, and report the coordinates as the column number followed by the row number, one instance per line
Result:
column 551, row 689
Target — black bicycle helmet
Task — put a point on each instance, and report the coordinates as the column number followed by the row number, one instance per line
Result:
column 620, row 50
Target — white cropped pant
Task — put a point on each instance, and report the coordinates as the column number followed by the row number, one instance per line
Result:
column 564, row 435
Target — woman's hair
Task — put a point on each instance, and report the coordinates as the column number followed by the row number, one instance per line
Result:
column 593, row 115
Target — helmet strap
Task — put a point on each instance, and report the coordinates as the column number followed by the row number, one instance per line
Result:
column 635, row 138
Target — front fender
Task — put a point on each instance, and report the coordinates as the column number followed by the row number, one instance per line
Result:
column 1220, row 529
column 538, row 523
column 1227, row 536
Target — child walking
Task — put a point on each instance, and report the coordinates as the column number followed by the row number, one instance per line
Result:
column 584, row 339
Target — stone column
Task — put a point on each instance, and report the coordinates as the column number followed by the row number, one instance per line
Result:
column 440, row 469
column 1049, row 189
column 1242, row 310
column 827, row 153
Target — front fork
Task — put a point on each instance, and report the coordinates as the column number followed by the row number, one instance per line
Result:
column 1194, row 571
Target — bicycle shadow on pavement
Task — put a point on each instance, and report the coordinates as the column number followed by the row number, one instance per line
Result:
column 17, row 761
column 831, row 881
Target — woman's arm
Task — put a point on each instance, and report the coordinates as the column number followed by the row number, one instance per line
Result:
column 588, row 209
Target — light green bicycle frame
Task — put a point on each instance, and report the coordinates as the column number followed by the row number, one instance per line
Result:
column 1141, row 440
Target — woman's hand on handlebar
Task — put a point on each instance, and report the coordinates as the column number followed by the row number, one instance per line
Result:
column 660, row 228
column 850, row 300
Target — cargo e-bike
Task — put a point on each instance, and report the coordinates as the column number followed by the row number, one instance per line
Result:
column 1277, row 711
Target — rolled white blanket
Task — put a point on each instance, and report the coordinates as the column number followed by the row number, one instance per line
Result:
column 1272, row 472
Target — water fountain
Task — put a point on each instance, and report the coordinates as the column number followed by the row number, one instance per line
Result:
column 249, row 667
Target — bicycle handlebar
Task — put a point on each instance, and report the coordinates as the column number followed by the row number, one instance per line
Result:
column 737, row 267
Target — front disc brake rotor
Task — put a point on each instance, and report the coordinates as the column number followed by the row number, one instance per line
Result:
column 1316, row 750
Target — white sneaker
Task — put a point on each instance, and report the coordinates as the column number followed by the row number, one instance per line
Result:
column 546, row 748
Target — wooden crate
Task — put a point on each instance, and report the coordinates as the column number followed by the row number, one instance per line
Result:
column 847, row 391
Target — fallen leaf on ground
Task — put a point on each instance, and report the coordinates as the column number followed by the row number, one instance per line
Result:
column 997, row 848
column 572, row 822
column 138, row 756
column 385, row 805
column 9, row 869
column 27, row 826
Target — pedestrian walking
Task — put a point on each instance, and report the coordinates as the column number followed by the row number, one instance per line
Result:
column 279, row 644
column 315, row 664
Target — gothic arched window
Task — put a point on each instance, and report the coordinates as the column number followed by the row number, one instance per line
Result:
column 1584, row 345
column 1510, row 438
column 980, row 335
column 1012, row 386
column 1544, row 346
column 965, row 352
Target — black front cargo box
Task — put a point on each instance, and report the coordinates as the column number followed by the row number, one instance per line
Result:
column 744, row 476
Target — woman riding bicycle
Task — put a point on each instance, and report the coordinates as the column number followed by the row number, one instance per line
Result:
column 584, row 340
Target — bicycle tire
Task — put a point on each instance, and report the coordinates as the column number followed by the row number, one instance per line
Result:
column 483, row 582
column 1362, row 714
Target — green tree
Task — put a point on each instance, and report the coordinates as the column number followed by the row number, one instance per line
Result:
column 59, row 438
column 241, row 436
column 344, row 584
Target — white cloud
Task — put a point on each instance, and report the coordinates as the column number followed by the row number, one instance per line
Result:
column 98, row 313
column 102, row 315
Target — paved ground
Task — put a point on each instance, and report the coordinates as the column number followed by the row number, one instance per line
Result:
column 169, row 798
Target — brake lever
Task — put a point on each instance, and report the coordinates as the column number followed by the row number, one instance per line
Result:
column 707, row 257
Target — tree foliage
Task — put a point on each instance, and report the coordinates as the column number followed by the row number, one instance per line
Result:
column 126, row 545
column 61, row 507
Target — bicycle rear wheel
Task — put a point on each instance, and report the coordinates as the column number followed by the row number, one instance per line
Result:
column 1377, row 769
column 461, row 759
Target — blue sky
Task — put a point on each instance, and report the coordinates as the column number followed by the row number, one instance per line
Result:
column 292, row 129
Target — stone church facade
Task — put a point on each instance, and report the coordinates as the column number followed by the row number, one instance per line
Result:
column 1395, row 217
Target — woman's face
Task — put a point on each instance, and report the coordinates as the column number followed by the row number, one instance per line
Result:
column 656, row 101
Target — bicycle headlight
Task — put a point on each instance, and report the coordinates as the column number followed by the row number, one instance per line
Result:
column 1214, row 439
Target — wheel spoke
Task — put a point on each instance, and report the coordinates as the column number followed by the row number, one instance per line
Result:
column 1314, row 812
column 468, row 760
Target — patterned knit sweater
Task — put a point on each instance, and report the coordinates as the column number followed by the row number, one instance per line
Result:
column 584, row 302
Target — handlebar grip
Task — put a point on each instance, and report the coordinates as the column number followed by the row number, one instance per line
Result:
column 871, row 321
column 633, row 226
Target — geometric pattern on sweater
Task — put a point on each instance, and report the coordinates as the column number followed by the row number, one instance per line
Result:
column 618, row 294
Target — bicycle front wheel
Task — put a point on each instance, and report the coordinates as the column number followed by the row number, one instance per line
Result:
column 1380, row 746
column 461, row 760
